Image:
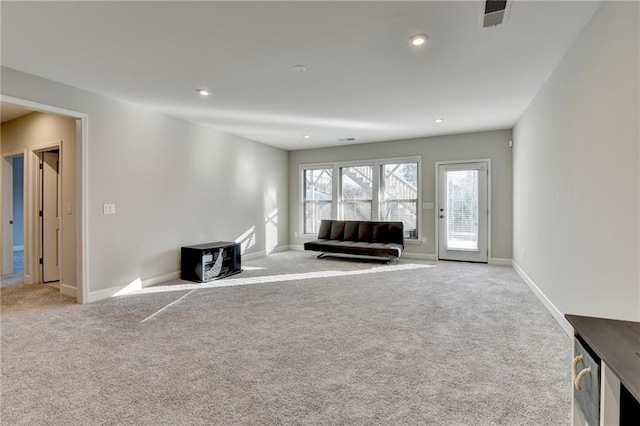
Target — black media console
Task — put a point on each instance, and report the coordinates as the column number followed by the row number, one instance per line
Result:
column 211, row 261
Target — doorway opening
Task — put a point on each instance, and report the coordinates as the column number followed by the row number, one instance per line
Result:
column 56, row 235
column 18, row 214
column 49, row 213
column 13, row 211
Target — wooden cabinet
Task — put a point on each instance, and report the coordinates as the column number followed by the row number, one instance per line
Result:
column 606, row 371
column 211, row 261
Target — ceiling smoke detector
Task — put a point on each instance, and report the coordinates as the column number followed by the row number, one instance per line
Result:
column 299, row 68
column 495, row 13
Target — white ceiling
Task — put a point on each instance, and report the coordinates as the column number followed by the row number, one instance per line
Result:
column 363, row 79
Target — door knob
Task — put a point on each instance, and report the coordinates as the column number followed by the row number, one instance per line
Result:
column 441, row 216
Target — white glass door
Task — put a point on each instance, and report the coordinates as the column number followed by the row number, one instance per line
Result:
column 463, row 212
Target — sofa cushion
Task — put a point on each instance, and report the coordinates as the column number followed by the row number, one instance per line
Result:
column 380, row 232
column 337, row 230
column 325, row 230
column 396, row 233
column 365, row 231
column 351, row 231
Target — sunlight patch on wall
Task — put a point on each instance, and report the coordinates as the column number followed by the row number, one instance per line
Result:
column 271, row 231
column 247, row 240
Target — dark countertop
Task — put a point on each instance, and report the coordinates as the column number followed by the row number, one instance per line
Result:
column 617, row 343
column 210, row 246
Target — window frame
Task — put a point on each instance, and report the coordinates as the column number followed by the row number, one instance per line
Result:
column 336, row 188
column 302, row 193
column 381, row 163
column 341, row 202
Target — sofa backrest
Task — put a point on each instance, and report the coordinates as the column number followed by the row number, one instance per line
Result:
column 362, row 231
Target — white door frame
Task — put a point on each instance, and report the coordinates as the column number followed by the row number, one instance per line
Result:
column 437, row 167
column 37, row 190
column 32, row 222
column 82, row 193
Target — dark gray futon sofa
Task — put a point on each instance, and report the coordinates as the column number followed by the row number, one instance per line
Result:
column 379, row 239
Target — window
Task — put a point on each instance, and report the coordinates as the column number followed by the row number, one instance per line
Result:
column 357, row 192
column 385, row 190
column 318, row 184
column 462, row 208
column 399, row 195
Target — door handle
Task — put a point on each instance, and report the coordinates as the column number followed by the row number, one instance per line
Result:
column 578, row 359
column 577, row 377
column 581, row 374
column 10, row 222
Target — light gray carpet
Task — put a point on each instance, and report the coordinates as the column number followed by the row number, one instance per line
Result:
column 431, row 343
column 12, row 279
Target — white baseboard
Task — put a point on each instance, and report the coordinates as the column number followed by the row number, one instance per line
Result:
column 557, row 315
column 106, row 293
column 263, row 253
column 68, row 290
column 161, row 279
column 280, row 249
column 499, row 261
column 28, row 279
column 296, row 247
column 255, row 255
column 418, row 256
column 136, row 284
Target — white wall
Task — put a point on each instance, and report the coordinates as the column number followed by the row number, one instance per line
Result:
column 174, row 183
column 468, row 146
column 576, row 173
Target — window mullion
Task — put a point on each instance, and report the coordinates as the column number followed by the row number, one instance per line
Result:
column 375, row 206
column 336, row 199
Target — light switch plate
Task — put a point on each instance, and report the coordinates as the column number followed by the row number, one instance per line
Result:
column 109, row 208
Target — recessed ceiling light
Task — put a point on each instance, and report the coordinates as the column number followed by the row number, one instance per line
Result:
column 418, row 39
column 203, row 92
column 306, row 136
column 299, row 68
column 439, row 120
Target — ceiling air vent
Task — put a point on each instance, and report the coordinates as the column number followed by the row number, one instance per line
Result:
column 495, row 13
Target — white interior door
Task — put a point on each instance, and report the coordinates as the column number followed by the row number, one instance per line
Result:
column 463, row 212
column 50, row 217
